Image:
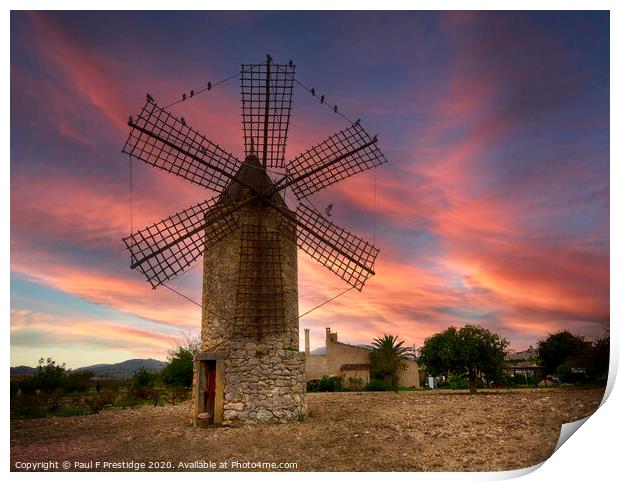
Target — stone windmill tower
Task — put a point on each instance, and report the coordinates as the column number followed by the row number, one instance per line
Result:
column 249, row 369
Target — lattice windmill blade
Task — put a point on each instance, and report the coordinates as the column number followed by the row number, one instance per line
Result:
column 342, row 155
column 260, row 305
column 160, row 139
column 167, row 248
column 266, row 98
column 348, row 256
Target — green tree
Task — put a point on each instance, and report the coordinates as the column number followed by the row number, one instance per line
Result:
column 52, row 376
column 467, row 351
column 49, row 375
column 387, row 357
column 439, row 353
column 598, row 359
column 562, row 348
column 179, row 371
column 143, row 378
column 78, row 381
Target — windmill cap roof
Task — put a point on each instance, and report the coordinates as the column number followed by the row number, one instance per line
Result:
column 251, row 174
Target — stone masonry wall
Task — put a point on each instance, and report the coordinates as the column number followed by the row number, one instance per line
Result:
column 264, row 377
column 264, row 383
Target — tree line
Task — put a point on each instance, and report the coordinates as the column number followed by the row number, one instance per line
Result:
column 55, row 390
column 477, row 353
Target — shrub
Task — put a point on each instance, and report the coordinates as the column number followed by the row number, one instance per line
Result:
column 98, row 402
column 48, row 376
column 313, row 385
column 127, row 400
column 53, row 401
column 141, row 393
column 155, row 395
column 378, row 386
column 457, row 382
column 325, row 384
column 28, row 406
column 143, row 378
column 179, row 371
column 566, row 374
column 356, row 383
column 77, row 381
column 15, row 386
column 500, row 383
column 51, row 376
column 330, row 384
column 534, row 381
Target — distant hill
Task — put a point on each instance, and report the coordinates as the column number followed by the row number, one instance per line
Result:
column 22, row 370
column 123, row 369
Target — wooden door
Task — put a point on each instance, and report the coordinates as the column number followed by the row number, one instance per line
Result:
column 209, row 389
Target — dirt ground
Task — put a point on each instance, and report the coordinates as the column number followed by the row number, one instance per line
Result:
column 354, row 431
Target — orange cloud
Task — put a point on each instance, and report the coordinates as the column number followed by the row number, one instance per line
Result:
column 124, row 293
column 66, row 331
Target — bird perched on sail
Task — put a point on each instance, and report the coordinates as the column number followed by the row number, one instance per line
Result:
column 183, row 122
column 328, row 210
column 149, row 97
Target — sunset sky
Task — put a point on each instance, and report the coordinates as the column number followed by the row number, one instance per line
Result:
column 493, row 208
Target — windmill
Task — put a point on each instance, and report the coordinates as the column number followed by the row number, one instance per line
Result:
column 250, row 369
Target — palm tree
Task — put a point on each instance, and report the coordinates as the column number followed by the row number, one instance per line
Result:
column 387, row 357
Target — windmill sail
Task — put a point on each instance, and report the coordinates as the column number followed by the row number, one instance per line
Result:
column 167, row 248
column 348, row 256
column 158, row 138
column 260, row 288
column 345, row 153
column 266, row 98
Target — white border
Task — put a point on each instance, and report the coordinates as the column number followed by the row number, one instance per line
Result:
column 590, row 454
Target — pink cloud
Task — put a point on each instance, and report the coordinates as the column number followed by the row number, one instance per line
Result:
column 90, row 75
column 68, row 331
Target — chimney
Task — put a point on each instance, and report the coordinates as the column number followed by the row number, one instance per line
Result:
column 307, row 335
column 329, row 336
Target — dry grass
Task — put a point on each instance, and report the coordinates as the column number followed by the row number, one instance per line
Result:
column 408, row 431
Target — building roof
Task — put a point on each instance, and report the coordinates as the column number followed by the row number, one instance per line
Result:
column 251, row 173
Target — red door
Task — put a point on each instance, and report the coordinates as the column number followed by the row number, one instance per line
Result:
column 209, row 392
